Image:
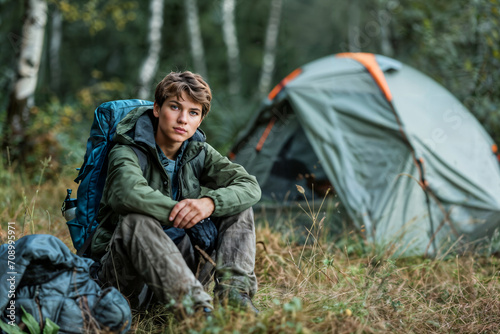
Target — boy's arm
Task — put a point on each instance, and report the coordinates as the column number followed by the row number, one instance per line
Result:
column 127, row 191
column 228, row 184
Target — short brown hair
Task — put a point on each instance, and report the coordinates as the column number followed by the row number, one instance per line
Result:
column 193, row 84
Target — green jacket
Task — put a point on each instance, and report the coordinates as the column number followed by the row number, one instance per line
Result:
column 128, row 190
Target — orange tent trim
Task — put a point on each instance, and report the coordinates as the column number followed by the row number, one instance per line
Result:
column 263, row 138
column 369, row 61
column 283, row 83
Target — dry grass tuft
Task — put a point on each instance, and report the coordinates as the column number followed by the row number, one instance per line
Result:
column 35, row 205
column 345, row 294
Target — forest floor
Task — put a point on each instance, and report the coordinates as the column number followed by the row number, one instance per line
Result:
column 318, row 285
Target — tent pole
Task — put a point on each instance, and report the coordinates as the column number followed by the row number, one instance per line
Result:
column 428, row 202
column 433, row 239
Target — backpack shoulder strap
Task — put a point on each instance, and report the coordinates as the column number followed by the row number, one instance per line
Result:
column 143, row 160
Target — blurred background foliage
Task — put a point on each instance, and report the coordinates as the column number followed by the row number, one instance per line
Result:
column 103, row 45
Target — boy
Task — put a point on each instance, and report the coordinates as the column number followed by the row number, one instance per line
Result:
column 189, row 195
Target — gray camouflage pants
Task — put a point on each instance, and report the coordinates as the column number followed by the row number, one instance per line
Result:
column 141, row 253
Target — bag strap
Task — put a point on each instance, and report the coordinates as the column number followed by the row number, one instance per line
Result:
column 86, row 244
column 143, row 162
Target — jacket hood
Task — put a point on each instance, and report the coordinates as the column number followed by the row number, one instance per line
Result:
column 139, row 127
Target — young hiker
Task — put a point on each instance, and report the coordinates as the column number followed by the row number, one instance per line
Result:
column 152, row 219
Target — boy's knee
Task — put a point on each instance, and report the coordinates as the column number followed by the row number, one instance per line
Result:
column 247, row 216
column 136, row 225
column 137, row 220
column 243, row 221
column 246, row 220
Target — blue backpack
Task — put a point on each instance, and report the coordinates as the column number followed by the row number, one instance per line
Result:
column 54, row 285
column 92, row 174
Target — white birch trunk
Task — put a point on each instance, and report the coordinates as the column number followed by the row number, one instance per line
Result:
column 54, row 49
column 194, row 30
column 231, row 41
column 31, row 48
column 386, row 46
column 354, row 33
column 271, row 42
column 385, row 33
column 27, row 69
column 150, row 65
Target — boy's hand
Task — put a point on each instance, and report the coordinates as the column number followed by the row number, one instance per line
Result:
column 189, row 212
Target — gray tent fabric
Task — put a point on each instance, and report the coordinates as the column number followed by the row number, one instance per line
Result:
column 42, row 275
column 408, row 161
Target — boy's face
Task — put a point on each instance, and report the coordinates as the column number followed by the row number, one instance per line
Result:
column 178, row 119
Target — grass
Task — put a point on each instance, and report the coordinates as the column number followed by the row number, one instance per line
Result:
column 324, row 285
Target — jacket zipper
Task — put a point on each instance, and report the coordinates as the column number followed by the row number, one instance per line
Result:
column 179, row 194
column 179, row 174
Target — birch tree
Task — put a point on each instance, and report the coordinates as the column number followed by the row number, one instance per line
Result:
column 385, row 41
column 384, row 19
column 150, row 65
column 197, row 50
column 54, row 49
column 354, row 33
column 268, row 60
column 22, row 95
column 231, row 41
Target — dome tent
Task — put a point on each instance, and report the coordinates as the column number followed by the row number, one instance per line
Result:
column 406, row 159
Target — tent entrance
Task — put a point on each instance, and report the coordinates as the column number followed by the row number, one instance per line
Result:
column 277, row 151
column 296, row 164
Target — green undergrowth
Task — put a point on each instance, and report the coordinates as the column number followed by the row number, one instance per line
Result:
column 308, row 283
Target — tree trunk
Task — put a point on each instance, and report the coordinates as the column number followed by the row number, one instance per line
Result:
column 384, row 19
column 22, row 95
column 231, row 41
column 150, row 65
column 270, row 47
column 54, row 49
column 197, row 49
column 354, row 33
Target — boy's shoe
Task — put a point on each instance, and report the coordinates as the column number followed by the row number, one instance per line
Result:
column 236, row 299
